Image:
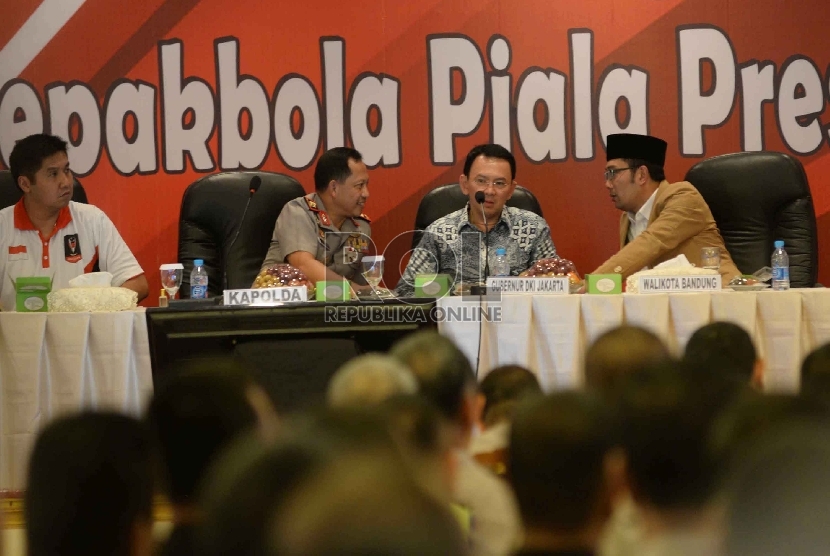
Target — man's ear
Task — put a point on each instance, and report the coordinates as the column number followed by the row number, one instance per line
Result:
column 24, row 184
column 464, row 184
column 757, row 380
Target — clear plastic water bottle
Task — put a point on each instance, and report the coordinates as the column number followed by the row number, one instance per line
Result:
column 501, row 266
column 198, row 280
column 780, row 267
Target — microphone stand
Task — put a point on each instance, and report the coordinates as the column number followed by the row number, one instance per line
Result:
column 482, row 290
column 253, row 187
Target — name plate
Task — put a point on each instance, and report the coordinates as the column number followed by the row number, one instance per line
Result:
column 266, row 296
column 558, row 285
column 663, row 284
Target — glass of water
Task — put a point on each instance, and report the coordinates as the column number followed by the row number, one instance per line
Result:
column 710, row 258
column 373, row 271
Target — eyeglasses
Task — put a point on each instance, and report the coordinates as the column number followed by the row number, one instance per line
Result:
column 611, row 172
column 482, row 183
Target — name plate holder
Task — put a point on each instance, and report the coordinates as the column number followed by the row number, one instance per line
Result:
column 675, row 284
column 553, row 285
column 266, row 297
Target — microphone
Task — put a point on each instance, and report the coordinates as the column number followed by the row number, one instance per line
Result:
column 480, row 200
column 253, row 187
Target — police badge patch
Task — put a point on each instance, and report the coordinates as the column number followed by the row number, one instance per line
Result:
column 71, row 248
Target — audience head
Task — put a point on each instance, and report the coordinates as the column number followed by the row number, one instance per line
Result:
column 618, row 353
column 815, row 373
column 779, row 497
column 558, row 449
column 444, row 374
column 364, row 504
column 503, row 388
column 194, row 415
column 665, row 422
column 724, row 350
column 90, row 488
column 246, row 485
column 425, row 442
column 368, row 380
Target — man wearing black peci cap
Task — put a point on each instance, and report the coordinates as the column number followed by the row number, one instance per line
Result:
column 662, row 220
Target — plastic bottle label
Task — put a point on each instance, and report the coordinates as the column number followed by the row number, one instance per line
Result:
column 781, row 273
column 198, row 292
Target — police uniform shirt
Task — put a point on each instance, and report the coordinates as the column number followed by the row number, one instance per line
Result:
column 304, row 225
column 83, row 236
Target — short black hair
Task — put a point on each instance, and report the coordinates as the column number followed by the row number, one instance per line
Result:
column 665, row 419
column 443, row 371
column 490, row 150
column 90, row 480
column 503, row 388
column 194, row 415
column 28, row 154
column 618, row 353
column 724, row 349
column 334, row 165
column 656, row 172
column 558, row 445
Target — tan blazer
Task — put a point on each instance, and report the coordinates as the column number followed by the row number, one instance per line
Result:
column 680, row 223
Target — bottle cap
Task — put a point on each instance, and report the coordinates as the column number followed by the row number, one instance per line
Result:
column 779, row 244
column 198, row 262
column 500, row 251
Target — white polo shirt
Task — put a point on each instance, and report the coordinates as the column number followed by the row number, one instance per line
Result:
column 83, row 235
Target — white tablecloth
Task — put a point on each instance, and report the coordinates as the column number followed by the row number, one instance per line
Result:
column 549, row 334
column 53, row 363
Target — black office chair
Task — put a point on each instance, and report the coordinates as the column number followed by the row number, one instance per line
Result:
column 210, row 216
column 757, row 198
column 446, row 199
column 10, row 193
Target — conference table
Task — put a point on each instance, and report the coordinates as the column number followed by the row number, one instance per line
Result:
column 56, row 363
column 549, row 333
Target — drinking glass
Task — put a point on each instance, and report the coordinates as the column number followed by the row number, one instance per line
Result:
column 710, row 258
column 373, row 271
column 171, row 278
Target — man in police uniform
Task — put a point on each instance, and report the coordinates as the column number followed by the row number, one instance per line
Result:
column 325, row 234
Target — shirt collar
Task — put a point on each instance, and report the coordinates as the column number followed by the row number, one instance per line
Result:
column 645, row 210
column 465, row 219
column 23, row 222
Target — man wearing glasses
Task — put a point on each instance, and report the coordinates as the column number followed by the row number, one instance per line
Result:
column 455, row 244
column 661, row 220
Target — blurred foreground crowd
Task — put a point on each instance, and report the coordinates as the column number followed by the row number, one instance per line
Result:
column 412, row 455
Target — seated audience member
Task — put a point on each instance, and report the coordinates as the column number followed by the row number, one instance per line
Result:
column 559, row 446
column 446, row 379
column 195, row 414
column 664, row 422
column 724, row 352
column 455, row 244
column 325, row 234
column 364, row 503
column 48, row 234
column 661, row 220
column 426, row 443
column 90, row 488
column 369, row 379
column 779, row 497
column 815, row 373
column 618, row 353
column 503, row 388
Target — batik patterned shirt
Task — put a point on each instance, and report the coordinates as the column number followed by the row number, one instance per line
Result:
column 453, row 245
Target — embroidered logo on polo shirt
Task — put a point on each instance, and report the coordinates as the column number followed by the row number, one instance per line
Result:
column 18, row 253
column 71, row 248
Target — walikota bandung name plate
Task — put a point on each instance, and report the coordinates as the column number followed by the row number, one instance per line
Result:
column 688, row 283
